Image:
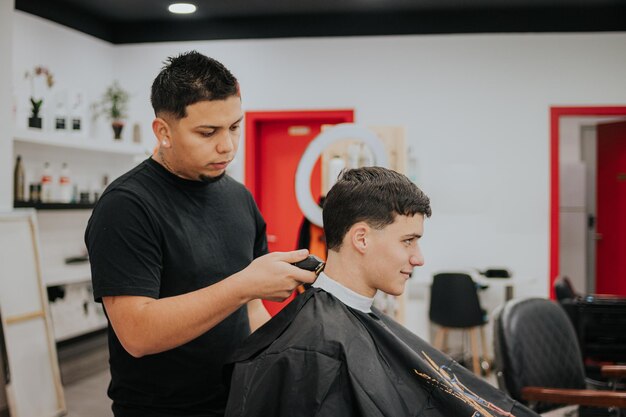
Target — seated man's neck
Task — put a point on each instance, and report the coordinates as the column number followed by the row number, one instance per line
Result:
column 342, row 268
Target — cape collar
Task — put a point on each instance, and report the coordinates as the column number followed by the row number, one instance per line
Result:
column 344, row 294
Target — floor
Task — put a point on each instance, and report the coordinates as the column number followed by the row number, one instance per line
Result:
column 87, row 397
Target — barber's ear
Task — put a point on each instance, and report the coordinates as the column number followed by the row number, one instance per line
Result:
column 162, row 132
column 359, row 235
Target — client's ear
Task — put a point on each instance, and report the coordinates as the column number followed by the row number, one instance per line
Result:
column 359, row 234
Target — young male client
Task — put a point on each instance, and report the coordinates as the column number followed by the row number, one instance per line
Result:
column 330, row 353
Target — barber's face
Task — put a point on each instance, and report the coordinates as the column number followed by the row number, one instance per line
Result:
column 393, row 252
column 203, row 144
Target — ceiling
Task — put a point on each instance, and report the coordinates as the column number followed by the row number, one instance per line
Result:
column 132, row 21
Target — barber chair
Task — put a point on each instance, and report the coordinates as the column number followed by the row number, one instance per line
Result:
column 454, row 305
column 539, row 363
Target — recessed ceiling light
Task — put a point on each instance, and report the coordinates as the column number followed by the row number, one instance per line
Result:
column 181, row 8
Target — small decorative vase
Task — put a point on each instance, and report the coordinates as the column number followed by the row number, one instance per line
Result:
column 117, row 129
column 34, row 121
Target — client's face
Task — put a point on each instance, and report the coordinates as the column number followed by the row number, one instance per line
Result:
column 393, row 252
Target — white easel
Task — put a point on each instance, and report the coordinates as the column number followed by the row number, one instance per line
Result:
column 34, row 389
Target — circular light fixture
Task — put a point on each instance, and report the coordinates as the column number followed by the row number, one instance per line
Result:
column 337, row 133
column 181, row 8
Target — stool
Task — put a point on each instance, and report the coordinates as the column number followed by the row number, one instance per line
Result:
column 454, row 305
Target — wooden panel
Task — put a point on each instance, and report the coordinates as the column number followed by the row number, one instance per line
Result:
column 393, row 138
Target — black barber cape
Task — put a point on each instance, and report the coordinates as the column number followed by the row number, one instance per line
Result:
column 319, row 357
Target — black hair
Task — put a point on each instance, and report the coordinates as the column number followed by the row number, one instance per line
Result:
column 187, row 79
column 374, row 195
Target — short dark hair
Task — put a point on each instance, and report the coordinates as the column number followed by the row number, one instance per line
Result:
column 374, row 195
column 189, row 78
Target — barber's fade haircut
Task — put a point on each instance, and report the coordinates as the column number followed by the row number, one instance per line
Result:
column 187, row 79
column 374, row 195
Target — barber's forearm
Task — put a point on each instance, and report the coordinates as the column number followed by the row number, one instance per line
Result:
column 155, row 326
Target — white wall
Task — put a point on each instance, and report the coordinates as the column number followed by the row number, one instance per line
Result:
column 6, row 149
column 80, row 64
column 475, row 107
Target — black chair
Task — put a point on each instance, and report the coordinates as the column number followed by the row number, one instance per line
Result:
column 538, row 360
column 563, row 289
column 600, row 325
column 454, row 305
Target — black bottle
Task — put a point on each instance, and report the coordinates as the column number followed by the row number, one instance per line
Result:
column 18, row 180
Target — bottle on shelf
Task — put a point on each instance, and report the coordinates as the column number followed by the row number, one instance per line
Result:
column 18, row 180
column 76, row 117
column 46, row 184
column 65, row 185
column 353, row 155
column 105, row 183
column 411, row 165
column 35, row 192
column 335, row 166
column 60, row 111
column 366, row 157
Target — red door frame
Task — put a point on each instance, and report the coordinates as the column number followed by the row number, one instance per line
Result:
column 555, row 114
column 254, row 119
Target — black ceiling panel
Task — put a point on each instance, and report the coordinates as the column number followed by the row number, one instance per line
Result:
column 123, row 21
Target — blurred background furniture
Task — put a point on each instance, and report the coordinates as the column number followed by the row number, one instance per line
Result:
column 539, row 363
column 454, row 305
column 564, row 289
column 599, row 321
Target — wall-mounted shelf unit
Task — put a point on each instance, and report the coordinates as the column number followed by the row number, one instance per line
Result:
column 54, row 206
column 62, row 225
column 78, row 142
column 67, row 274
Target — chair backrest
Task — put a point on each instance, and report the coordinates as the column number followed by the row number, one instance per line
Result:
column 564, row 289
column 535, row 345
column 454, row 301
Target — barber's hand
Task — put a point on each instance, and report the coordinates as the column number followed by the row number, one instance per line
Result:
column 272, row 277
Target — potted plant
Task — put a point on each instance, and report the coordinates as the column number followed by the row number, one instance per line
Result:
column 114, row 104
column 36, row 102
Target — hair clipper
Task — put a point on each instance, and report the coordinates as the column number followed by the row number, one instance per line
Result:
column 311, row 263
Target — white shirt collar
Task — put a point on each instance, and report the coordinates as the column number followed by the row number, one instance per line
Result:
column 344, row 294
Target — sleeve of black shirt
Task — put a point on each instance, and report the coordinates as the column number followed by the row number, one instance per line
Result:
column 124, row 248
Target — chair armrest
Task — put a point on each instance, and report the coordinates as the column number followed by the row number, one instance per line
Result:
column 614, row 371
column 588, row 397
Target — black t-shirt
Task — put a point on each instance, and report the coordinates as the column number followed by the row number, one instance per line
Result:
column 154, row 234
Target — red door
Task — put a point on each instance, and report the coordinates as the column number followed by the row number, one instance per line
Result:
column 282, row 146
column 611, row 209
column 275, row 142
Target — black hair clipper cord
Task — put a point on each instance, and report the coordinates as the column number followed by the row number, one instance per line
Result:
column 311, row 263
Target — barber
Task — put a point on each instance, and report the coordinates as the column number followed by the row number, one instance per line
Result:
column 178, row 252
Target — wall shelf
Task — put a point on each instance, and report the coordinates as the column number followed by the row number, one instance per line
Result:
column 53, row 206
column 78, row 141
column 67, row 274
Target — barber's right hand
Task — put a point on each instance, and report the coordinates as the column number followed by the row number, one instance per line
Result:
column 272, row 277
